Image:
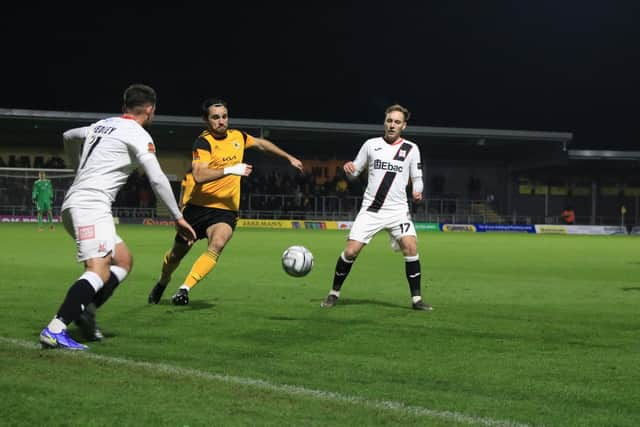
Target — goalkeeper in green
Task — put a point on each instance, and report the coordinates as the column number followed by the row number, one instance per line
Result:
column 42, row 196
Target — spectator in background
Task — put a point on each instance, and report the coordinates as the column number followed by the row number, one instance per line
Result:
column 569, row 215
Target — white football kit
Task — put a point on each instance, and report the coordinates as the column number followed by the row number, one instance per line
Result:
column 113, row 148
column 385, row 205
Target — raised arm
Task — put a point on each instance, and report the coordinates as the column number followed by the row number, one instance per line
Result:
column 270, row 147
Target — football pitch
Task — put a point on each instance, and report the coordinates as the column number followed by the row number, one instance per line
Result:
column 526, row 330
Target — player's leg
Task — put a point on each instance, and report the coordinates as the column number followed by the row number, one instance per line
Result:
column 50, row 218
column 121, row 265
column 39, row 215
column 343, row 267
column 365, row 226
column 405, row 235
column 79, row 296
column 218, row 236
column 170, row 263
column 94, row 234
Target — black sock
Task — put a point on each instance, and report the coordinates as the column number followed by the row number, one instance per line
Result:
column 107, row 290
column 79, row 295
column 342, row 270
column 412, row 269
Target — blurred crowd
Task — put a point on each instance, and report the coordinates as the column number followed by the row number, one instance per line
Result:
column 271, row 190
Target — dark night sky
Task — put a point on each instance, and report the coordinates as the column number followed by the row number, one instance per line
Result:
column 529, row 65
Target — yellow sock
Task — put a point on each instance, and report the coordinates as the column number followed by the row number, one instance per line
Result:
column 168, row 267
column 203, row 265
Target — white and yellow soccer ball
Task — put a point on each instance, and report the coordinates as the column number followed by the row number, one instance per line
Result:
column 297, row 261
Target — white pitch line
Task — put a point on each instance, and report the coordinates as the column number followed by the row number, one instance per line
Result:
column 294, row 390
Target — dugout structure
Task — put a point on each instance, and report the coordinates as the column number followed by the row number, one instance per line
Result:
column 494, row 166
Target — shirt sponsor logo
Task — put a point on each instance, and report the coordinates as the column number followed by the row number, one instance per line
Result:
column 387, row 166
column 86, row 232
column 229, row 158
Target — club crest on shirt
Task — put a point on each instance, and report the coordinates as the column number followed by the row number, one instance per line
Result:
column 236, row 145
column 402, row 154
column 102, row 247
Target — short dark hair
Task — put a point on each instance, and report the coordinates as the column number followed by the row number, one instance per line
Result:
column 139, row 95
column 398, row 107
column 209, row 102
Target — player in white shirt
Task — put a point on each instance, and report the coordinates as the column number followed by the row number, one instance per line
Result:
column 113, row 148
column 391, row 162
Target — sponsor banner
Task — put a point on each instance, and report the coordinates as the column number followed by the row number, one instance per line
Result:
column 551, row 229
column 255, row 223
column 26, row 218
column 427, row 226
column 592, row 230
column 467, row 228
column 344, row 225
column 510, row 228
column 155, row 221
column 596, row 229
column 635, row 230
column 315, row 225
column 264, row 223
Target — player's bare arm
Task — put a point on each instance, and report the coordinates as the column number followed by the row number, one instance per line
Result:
column 270, row 147
column 202, row 173
column 350, row 168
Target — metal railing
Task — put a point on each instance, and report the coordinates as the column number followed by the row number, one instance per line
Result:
column 345, row 208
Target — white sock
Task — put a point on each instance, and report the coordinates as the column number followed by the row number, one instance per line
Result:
column 185, row 287
column 56, row 325
column 416, row 298
column 119, row 272
column 336, row 293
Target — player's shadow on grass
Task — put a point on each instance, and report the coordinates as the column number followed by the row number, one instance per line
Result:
column 193, row 305
column 342, row 301
column 631, row 288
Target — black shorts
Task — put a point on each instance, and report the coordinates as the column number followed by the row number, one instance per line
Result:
column 201, row 218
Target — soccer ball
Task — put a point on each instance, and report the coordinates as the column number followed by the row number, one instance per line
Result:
column 297, row 261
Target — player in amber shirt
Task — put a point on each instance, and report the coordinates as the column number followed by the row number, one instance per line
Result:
column 186, row 188
column 212, row 209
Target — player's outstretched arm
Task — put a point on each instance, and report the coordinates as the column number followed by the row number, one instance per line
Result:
column 270, row 147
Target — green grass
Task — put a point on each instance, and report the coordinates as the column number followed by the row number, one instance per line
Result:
column 529, row 329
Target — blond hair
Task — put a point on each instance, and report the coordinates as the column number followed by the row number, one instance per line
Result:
column 398, row 107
